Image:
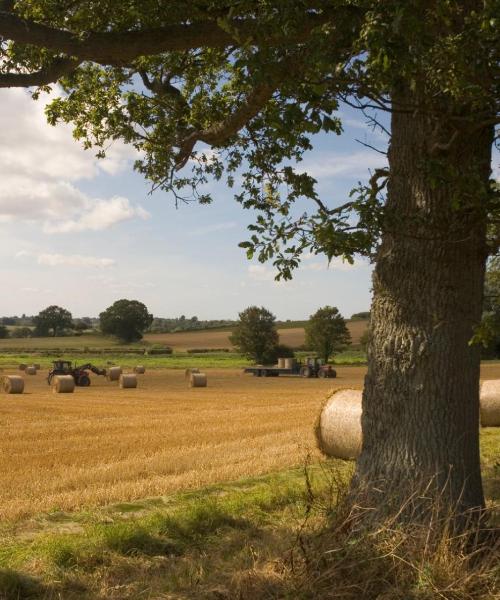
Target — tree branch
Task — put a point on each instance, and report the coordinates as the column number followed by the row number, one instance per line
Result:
column 120, row 48
column 220, row 132
column 45, row 76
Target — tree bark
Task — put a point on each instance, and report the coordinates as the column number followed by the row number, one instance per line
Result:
column 421, row 398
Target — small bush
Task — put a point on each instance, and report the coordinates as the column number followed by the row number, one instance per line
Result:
column 159, row 349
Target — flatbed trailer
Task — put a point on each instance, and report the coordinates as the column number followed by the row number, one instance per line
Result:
column 311, row 368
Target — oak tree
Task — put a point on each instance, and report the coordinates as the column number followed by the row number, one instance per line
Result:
column 126, row 319
column 326, row 332
column 255, row 334
column 53, row 320
column 254, row 81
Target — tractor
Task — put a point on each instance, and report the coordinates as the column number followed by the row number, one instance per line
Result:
column 79, row 374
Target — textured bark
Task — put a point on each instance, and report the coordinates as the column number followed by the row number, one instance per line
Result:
column 421, row 400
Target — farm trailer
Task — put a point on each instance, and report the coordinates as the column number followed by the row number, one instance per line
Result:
column 311, row 367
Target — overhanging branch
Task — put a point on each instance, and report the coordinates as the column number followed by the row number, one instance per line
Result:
column 50, row 74
column 120, row 48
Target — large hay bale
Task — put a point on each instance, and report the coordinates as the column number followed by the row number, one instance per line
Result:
column 63, row 384
column 281, row 363
column 37, row 366
column 338, row 428
column 140, row 369
column 13, row 384
column 128, row 380
column 22, row 367
column 290, row 363
column 490, row 403
column 198, row 380
column 113, row 373
column 31, row 370
column 187, row 372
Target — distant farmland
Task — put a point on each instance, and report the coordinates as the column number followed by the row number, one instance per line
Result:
column 182, row 341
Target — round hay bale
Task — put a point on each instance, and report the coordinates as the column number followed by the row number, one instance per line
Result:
column 37, row 366
column 113, row 373
column 187, row 372
column 281, row 363
column 63, row 384
column 490, row 403
column 289, row 363
column 198, row 380
column 338, row 428
column 22, row 367
column 140, row 369
column 128, row 380
column 31, row 370
column 13, row 384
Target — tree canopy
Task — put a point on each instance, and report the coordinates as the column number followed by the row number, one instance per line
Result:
column 255, row 334
column 52, row 320
column 256, row 80
column 326, row 332
column 126, row 319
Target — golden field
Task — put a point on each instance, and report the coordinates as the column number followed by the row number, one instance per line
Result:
column 102, row 444
column 293, row 336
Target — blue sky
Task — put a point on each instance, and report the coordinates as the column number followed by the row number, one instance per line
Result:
column 83, row 233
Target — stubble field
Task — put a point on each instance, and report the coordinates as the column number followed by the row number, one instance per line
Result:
column 102, row 444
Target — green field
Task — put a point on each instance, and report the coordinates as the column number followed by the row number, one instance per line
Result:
column 181, row 360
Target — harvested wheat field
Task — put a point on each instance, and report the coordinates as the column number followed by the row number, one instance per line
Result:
column 104, row 444
column 186, row 340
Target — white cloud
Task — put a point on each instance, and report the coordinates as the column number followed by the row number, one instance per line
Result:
column 40, row 166
column 99, row 215
column 344, row 165
column 67, row 260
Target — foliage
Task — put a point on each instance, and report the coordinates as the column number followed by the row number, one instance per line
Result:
column 52, row 320
column 361, row 316
column 21, row 332
column 126, row 319
column 326, row 332
column 4, row 332
column 255, row 334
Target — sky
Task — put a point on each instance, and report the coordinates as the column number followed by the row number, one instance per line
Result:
column 81, row 232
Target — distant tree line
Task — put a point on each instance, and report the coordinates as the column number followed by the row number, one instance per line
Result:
column 183, row 323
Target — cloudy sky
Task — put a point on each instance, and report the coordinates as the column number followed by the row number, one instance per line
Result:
column 82, row 232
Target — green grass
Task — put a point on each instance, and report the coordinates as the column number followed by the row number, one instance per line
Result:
column 180, row 360
column 248, row 539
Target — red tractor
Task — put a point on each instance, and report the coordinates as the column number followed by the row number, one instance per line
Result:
column 79, row 374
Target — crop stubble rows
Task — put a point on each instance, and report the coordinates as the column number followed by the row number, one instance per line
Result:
column 102, row 444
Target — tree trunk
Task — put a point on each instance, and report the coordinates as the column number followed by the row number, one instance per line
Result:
column 421, row 398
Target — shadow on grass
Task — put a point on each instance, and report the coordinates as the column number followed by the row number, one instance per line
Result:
column 17, row 586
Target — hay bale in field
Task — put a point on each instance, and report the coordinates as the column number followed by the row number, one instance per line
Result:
column 338, row 428
column 113, row 374
column 128, row 380
column 37, row 366
column 22, row 367
column 490, row 403
column 289, row 363
column 198, row 380
column 187, row 372
column 140, row 369
column 13, row 384
column 63, row 384
column 281, row 363
column 31, row 370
